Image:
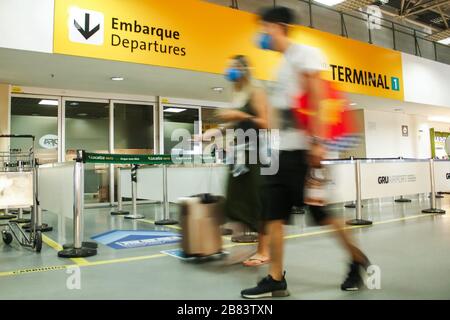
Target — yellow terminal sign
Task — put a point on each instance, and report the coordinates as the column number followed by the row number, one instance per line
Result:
column 201, row 36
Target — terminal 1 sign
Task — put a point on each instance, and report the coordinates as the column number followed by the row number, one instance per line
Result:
column 201, row 36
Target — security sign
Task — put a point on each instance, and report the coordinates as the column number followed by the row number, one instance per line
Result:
column 86, row 26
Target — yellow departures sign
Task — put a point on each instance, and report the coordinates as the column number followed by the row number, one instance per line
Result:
column 200, row 36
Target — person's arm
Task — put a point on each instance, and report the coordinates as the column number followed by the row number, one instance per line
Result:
column 228, row 115
column 260, row 106
column 313, row 87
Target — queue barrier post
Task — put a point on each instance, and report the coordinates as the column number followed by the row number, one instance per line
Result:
column 351, row 205
column 119, row 210
column 401, row 199
column 359, row 220
column 134, row 214
column 79, row 249
column 166, row 206
column 433, row 208
column 246, row 237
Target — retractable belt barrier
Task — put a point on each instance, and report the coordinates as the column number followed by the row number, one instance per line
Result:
column 86, row 249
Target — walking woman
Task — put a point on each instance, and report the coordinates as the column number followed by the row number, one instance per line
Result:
column 249, row 111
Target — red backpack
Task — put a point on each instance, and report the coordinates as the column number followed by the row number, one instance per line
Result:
column 333, row 111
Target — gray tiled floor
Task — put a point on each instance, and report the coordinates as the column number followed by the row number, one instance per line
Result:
column 412, row 251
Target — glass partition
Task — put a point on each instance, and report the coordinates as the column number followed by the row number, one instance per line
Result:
column 133, row 128
column 185, row 119
column 38, row 117
column 87, row 128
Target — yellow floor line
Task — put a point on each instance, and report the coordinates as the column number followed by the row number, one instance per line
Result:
column 293, row 236
column 35, row 270
column 55, row 245
column 129, row 259
column 84, row 263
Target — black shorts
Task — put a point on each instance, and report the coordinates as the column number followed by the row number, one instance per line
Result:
column 285, row 189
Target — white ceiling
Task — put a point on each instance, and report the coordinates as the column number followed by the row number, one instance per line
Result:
column 391, row 105
column 34, row 69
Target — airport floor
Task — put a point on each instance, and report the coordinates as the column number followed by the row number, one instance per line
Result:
column 410, row 248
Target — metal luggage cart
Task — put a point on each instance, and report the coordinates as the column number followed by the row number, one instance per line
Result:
column 18, row 190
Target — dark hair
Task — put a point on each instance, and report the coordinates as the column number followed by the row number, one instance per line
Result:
column 278, row 15
column 242, row 60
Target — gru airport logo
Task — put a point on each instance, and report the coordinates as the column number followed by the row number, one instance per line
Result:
column 86, row 26
column 364, row 78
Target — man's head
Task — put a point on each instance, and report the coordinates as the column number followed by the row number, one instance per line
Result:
column 275, row 23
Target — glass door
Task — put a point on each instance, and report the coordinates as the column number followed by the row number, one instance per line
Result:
column 179, row 119
column 87, row 127
column 134, row 128
column 134, row 132
column 38, row 116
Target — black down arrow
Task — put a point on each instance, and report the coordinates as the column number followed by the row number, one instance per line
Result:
column 86, row 33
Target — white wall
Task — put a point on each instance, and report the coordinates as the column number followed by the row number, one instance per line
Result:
column 384, row 139
column 426, row 81
column 27, row 25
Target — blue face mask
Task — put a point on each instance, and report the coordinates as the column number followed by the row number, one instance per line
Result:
column 233, row 74
column 265, row 41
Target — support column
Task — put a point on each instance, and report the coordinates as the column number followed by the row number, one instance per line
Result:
column 5, row 114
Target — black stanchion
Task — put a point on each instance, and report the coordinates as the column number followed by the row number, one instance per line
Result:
column 119, row 210
column 166, row 209
column 20, row 218
column 358, row 220
column 401, row 199
column 77, row 250
column 134, row 214
column 433, row 208
column 246, row 237
column 4, row 215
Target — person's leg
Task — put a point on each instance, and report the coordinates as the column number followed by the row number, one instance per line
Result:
column 262, row 255
column 345, row 238
column 276, row 233
column 274, row 285
column 263, row 245
column 359, row 261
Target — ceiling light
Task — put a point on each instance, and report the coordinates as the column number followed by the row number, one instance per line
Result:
column 74, row 103
column 217, row 89
column 445, row 41
column 353, row 104
column 174, row 110
column 49, row 102
column 117, row 78
column 439, row 119
column 82, row 114
column 329, row 2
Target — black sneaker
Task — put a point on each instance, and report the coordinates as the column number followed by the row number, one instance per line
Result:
column 267, row 288
column 354, row 280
